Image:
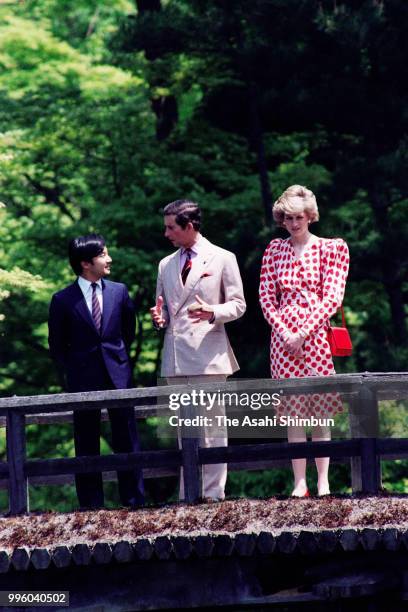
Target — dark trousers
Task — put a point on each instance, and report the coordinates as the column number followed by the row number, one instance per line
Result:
column 87, row 431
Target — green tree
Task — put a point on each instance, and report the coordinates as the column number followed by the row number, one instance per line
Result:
column 70, row 165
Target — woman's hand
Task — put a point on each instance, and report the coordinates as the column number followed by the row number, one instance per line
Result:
column 293, row 344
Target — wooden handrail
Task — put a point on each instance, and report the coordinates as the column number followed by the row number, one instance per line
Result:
column 363, row 449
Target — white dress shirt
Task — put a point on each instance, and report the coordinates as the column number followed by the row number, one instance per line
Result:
column 86, row 288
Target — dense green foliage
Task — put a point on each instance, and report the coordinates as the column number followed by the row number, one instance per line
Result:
column 110, row 109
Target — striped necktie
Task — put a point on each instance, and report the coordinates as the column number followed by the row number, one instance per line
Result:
column 187, row 266
column 96, row 308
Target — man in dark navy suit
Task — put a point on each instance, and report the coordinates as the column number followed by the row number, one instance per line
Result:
column 91, row 327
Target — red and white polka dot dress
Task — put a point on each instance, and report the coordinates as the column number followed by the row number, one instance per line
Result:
column 301, row 294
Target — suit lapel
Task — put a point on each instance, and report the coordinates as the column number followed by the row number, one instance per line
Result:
column 200, row 263
column 79, row 305
column 108, row 299
column 175, row 276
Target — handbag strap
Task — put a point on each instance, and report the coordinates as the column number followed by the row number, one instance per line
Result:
column 343, row 319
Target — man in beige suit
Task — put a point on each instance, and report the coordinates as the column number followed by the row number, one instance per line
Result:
column 199, row 289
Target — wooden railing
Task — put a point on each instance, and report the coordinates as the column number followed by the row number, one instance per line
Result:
column 364, row 448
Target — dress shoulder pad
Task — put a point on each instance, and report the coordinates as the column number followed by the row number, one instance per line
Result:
column 334, row 245
column 275, row 245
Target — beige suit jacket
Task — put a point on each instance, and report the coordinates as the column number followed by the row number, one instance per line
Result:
column 200, row 348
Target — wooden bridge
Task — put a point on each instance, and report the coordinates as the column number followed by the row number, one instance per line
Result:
column 364, row 448
column 325, row 562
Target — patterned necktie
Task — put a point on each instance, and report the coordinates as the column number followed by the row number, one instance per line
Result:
column 96, row 308
column 187, row 266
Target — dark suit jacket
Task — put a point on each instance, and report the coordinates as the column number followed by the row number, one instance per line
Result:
column 80, row 351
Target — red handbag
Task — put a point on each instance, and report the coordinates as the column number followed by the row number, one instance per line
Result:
column 339, row 339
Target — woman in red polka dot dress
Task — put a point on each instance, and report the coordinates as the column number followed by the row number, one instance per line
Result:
column 302, row 285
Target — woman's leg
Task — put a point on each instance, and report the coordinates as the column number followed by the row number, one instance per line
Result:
column 321, row 434
column 298, row 434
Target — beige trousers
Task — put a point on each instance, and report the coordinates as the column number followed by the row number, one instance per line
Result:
column 214, row 475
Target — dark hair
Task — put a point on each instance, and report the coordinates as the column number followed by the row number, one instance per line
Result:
column 84, row 248
column 185, row 211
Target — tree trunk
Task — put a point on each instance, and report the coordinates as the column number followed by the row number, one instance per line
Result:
column 257, row 144
column 397, row 307
column 164, row 107
column 391, row 273
column 166, row 111
column 148, row 5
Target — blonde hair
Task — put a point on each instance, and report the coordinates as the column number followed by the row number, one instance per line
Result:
column 295, row 198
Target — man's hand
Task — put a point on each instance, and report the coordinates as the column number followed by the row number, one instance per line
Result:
column 205, row 313
column 157, row 312
column 293, row 344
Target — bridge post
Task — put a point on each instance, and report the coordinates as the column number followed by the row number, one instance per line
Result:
column 16, row 457
column 191, row 469
column 190, row 441
column 364, row 425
